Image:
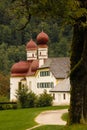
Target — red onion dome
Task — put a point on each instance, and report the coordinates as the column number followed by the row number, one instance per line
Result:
column 42, row 38
column 20, row 67
column 35, row 65
column 31, row 45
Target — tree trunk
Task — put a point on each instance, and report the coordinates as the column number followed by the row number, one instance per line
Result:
column 78, row 76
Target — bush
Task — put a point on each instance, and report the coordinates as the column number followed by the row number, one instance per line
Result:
column 44, row 100
column 22, row 96
column 31, row 99
column 8, row 105
column 26, row 98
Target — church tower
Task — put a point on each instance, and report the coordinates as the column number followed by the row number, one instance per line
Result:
column 42, row 39
column 31, row 49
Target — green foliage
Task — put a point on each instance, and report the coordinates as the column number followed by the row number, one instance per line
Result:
column 44, row 100
column 10, row 55
column 25, row 97
column 3, row 98
column 28, row 99
column 8, row 106
column 4, row 87
column 14, row 16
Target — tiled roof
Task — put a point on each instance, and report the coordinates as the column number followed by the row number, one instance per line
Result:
column 24, row 68
column 63, row 86
column 59, row 67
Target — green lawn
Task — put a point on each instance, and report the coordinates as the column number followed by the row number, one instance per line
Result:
column 65, row 116
column 21, row 119
column 57, row 127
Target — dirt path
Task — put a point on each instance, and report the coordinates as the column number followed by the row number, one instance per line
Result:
column 52, row 117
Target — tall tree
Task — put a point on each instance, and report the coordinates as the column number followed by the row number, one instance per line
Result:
column 78, row 76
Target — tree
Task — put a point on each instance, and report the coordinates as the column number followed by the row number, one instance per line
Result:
column 25, row 97
column 4, row 85
column 78, row 76
column 44, row 99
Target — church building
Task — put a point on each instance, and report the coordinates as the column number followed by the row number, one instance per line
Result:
column 39, row 72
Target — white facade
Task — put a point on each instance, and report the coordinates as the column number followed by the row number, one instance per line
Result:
column 42, row 55
column 32, row 55
column 14, row 81
column 61, row 98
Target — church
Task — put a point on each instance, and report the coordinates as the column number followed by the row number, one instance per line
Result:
column 39, row 72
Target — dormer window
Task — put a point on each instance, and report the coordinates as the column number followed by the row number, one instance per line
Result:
column 44, row 73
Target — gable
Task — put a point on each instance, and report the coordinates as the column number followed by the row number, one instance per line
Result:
column 59, row 67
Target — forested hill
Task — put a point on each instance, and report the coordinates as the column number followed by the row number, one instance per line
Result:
column 13, row 39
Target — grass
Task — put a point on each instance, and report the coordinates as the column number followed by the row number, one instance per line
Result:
column 57, row 127
column 22, row 119
column 65, row 116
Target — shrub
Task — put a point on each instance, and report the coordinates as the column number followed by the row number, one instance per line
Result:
column 26, row 98
column 44, row 100
column 8, row 105
column 31, row 99
column 22, row 96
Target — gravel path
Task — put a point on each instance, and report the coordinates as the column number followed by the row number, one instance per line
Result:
column 51, row 117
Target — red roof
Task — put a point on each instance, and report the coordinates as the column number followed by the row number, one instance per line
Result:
column 24, row 68
column 35, row 65
column 31, row 45
column 42, row 38
column 20, row 67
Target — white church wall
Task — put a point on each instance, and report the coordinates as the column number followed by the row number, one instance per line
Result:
column 42, row 53
column 44, row 82
column 32, row 55
column 31, row 83
column 13, row 87
column 61, row 98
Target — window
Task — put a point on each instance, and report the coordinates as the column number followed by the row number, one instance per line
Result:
column 38, row 85
column 40, row 53
column 19, row 85
column 32, row 55
column 45, row 85
column 64, row 96
column 44, row 73
column 54, row 96
column 52, row 84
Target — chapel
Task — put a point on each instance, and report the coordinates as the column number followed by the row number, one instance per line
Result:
column 39, row 72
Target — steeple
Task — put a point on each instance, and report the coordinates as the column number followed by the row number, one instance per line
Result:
column 42, row 39
column 31, row 49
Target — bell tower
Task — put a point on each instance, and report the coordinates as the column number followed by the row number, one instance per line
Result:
column 31, row 49
column 42, row 39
